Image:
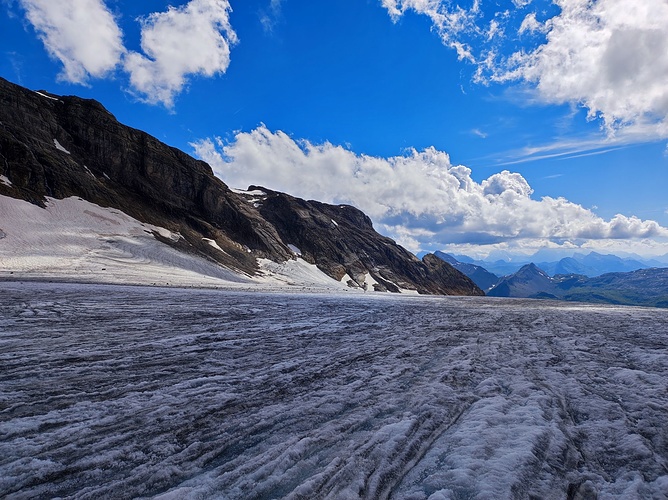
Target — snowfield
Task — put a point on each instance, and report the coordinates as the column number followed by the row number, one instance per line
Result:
column 119, row 392
column 74, row 240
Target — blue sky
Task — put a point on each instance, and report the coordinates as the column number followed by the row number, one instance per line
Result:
column 479, row 127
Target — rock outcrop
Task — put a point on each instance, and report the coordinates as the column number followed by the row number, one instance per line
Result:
column 55, row 146
column 341, row 241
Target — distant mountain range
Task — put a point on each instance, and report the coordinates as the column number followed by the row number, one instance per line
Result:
column 644, row 287
column 591, row 264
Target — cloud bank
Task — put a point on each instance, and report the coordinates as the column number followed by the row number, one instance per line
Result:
column 85, row 37
column 610, row 56
column 421, row 199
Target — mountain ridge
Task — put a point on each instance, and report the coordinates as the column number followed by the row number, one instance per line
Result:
column 66, row 146
column 646, row 287
column 591, row 264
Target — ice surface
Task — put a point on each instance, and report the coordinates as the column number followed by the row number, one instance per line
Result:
column 121, row 392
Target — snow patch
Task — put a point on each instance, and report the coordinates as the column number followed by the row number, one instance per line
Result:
column 73, row 239
column 334, row 222
column 47, row 96
column 60, row 147
column 254, row 192
column 297, row 273
column 295, row 250
column 407, row 291
column 166, row 233
column 214, row 244
column 251, row 196
column 5, row 181
column 346, row 278
column 369, row 281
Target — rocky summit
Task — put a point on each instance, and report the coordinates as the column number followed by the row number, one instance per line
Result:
column 61, row 146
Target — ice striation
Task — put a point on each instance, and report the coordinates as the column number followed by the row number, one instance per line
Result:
column 120, row 392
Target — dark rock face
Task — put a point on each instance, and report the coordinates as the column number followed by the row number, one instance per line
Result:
column 340, row 240
column 53, row 146
column 111, row 164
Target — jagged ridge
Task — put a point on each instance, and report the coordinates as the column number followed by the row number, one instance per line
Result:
column 67, row 146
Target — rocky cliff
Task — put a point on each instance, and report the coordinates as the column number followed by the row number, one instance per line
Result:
column 55, row 146
column 341, row 241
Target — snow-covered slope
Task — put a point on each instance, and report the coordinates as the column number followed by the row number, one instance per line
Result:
column 74, row 240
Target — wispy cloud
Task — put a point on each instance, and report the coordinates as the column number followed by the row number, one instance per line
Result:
column 270, row 15
column 534, row 155
column 573, row 147
column 479, row 133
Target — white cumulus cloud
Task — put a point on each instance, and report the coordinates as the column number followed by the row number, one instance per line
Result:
column 193, row 39
column 82, row 34
column 610, row 56
column 420, row 198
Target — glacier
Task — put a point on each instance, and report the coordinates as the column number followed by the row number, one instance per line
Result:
column 112, row 391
